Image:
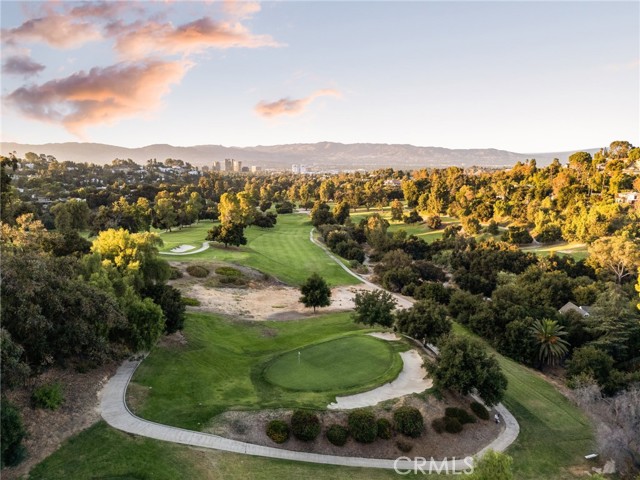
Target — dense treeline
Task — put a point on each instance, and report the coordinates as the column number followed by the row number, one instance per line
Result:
column 68, row 300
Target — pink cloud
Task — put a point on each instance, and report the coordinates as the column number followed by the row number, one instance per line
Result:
column 288, row 106
column 102, row 95
column 21, row 65
column 57, row 30
column 240, row 9
column 142, row 39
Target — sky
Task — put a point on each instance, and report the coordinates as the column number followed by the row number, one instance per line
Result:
column 521, row 76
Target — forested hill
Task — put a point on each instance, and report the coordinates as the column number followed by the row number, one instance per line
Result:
column 326, row 155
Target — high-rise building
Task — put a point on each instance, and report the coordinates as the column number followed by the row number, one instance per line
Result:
column 228, row 165
column 255, row 169
column 216, row 166
column 237, row 166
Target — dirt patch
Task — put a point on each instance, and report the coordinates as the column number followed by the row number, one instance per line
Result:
column 250, row 427
column 261, row 299
column 47, row 429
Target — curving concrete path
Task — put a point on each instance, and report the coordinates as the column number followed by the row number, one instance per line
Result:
column 410, row 380
column 205, row 246
column 115, row 412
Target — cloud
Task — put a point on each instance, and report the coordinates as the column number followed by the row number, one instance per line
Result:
column 288, row 106
column 141, row 39
column 56, row 30
column 100, row 10
column 21, row 65
column 102, row 95
column 240, row 9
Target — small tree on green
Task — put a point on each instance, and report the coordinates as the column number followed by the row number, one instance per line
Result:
column 375, row 307
column 315, row 292
column 396, row 210
column 228, row 233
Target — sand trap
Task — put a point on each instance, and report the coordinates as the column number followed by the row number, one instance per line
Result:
column 182, row 248
column 388, row 336
column 412, row 379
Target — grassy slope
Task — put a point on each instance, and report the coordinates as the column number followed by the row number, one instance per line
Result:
column 554, row 434
column 222, row 368
column 284, row 251
column 102, row 452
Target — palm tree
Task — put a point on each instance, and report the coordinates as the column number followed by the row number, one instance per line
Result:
column 548, row 335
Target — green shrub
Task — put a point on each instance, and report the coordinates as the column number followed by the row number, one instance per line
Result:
column 232, row 281
column 409, row 421
column 384, row 429
column 305, row 425
column 191, row 302
column 198, row 271
column 462, row 415
column 438, row 425
column 278, row 431
column 480, row 410
column 175, row 274
column 337, row 435
column 404, row 446
column 452, row 425
column 228, row 272
column 48, row 396
column 362, row 425
column 13, row 452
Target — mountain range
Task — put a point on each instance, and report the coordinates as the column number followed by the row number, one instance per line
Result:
column 319, row 156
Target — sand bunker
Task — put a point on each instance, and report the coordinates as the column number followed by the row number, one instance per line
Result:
column 412, row 379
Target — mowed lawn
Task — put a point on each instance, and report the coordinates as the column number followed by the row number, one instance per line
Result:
column 285, row 252
column 341, row 364
column 222, row 368
column 554, row 433
column 102, row 452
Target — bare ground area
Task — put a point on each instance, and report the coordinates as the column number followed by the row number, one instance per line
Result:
column 47, row 429
column 259, row 299
column 250, row 427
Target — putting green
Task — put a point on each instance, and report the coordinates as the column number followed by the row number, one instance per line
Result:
column 345, row 363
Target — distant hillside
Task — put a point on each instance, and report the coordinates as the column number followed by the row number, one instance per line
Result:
column 326, row 155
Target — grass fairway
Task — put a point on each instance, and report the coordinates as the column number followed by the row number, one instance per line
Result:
column 577, row 250
column 222, row 368
column 284, row 252
column 345, row 363
column 102, row 452
column 554, row 433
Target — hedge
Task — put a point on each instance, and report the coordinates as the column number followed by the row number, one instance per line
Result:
column 337, row 435
column 384, row 428
column 278, row 431
column 480, row 410
column 363, row 426
column 305, row 425
column 409, row 421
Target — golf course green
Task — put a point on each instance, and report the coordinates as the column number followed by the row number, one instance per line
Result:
column 347, row 362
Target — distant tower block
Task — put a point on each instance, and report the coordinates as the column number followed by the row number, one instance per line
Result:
column 237, row 166
column 228, row 165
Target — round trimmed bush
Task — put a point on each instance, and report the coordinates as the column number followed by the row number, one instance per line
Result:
column 452, row 425
column 363, row 426
column 409, row 421
column 404, row 446
column 305, row 425
column 174, row 274
column 278, row 431
column 228, row 272
column 462, row 415
column 384, row 429
column 197, row 271
column 337, row 435
column 480, row 410
column 48, row 396
column 438, row 425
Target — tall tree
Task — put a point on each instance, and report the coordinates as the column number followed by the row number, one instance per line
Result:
column 228, row 233
column 618, row 254
column 374, row 308
column 397, row 210
column 464, row 366
column 425, row 321
column 548, row 334
column 315, row 292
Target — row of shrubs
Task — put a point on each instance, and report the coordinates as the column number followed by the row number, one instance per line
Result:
column 455, row 418
column 363, row 426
